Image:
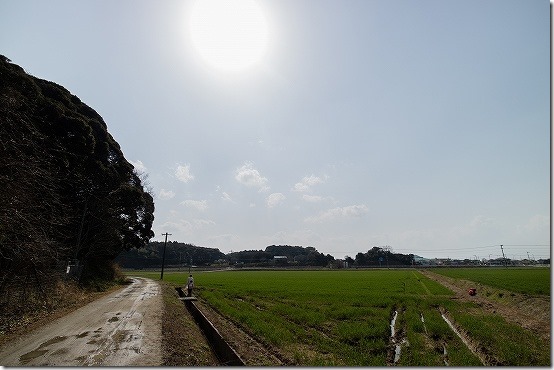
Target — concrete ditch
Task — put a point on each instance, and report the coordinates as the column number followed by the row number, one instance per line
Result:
column 226, row 355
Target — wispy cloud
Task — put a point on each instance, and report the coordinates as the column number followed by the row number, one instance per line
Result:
column 139, row 166
column 535, row 223
column 226, row 197
column 312, row 198
column 166, row 194
column 307, row 182
column 251, row 177
column 222, row 240
column 183, row 173
column 200, row 205
column 187, row 227
column 339, row 213
column 275, row 199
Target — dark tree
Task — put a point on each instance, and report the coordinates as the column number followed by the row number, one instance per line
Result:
column 67, row 190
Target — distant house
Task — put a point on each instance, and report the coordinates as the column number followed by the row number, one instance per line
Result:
column 418, row 260
column 280, row 260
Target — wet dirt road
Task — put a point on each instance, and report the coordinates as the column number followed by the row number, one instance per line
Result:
column 120, row 329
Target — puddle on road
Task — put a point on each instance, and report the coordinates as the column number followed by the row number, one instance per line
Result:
column 61, row 351
column 41, row 350
column 52, row 341
column 82, row 335
column 31, row 355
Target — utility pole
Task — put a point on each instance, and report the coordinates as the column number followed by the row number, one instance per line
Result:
column 163, row 256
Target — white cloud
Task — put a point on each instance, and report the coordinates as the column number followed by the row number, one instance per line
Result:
column 307, row 182
column 139, row 166
column 226, row 197
column 275, row 199
column 535, row 223
column 166, row 194
column 183, row 173
column 304, row 237
column 249, row 176
column 185, row 226
column 338, row 213
column 200, row 205
column 481, row 221
column 312, row 198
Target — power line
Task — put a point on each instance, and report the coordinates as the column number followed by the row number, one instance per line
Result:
column 456, row 249
column 526, row 245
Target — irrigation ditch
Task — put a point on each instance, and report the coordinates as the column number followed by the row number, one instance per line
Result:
column 223, row 351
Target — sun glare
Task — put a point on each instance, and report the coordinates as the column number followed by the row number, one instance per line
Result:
column 229, row 35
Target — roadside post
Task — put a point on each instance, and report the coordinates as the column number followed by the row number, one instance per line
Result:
column 163, row 256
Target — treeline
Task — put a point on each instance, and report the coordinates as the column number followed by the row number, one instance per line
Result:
column 382, row 256
column 68, row 193
column 183, row 254
column 293, row 255
column 176, row 254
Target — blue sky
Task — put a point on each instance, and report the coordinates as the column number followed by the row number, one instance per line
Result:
column 422, row 125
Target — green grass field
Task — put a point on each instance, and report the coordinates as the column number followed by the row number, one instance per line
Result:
column 532, row 280
column 343, row 317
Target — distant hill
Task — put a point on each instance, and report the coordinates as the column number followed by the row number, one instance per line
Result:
column 176, row 254
column 183, row 254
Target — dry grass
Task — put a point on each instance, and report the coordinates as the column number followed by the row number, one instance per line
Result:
column 65, row 297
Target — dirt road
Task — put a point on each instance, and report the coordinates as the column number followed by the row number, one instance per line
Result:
column 120, row 329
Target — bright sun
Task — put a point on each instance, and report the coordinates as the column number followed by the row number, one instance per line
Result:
column 229, row 35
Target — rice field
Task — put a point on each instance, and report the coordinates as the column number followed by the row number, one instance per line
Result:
column 531, row 280
column 364, row 318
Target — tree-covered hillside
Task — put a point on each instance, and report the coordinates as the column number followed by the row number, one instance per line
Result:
column 176, row 254
column 67, row 191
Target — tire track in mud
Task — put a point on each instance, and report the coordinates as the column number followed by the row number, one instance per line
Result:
column 398, row 338
column 473, row 346
column 436, row 343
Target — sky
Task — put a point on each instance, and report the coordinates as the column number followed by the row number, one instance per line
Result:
column 420, row 125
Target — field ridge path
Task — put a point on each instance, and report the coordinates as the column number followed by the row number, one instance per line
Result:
column 529, row 312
